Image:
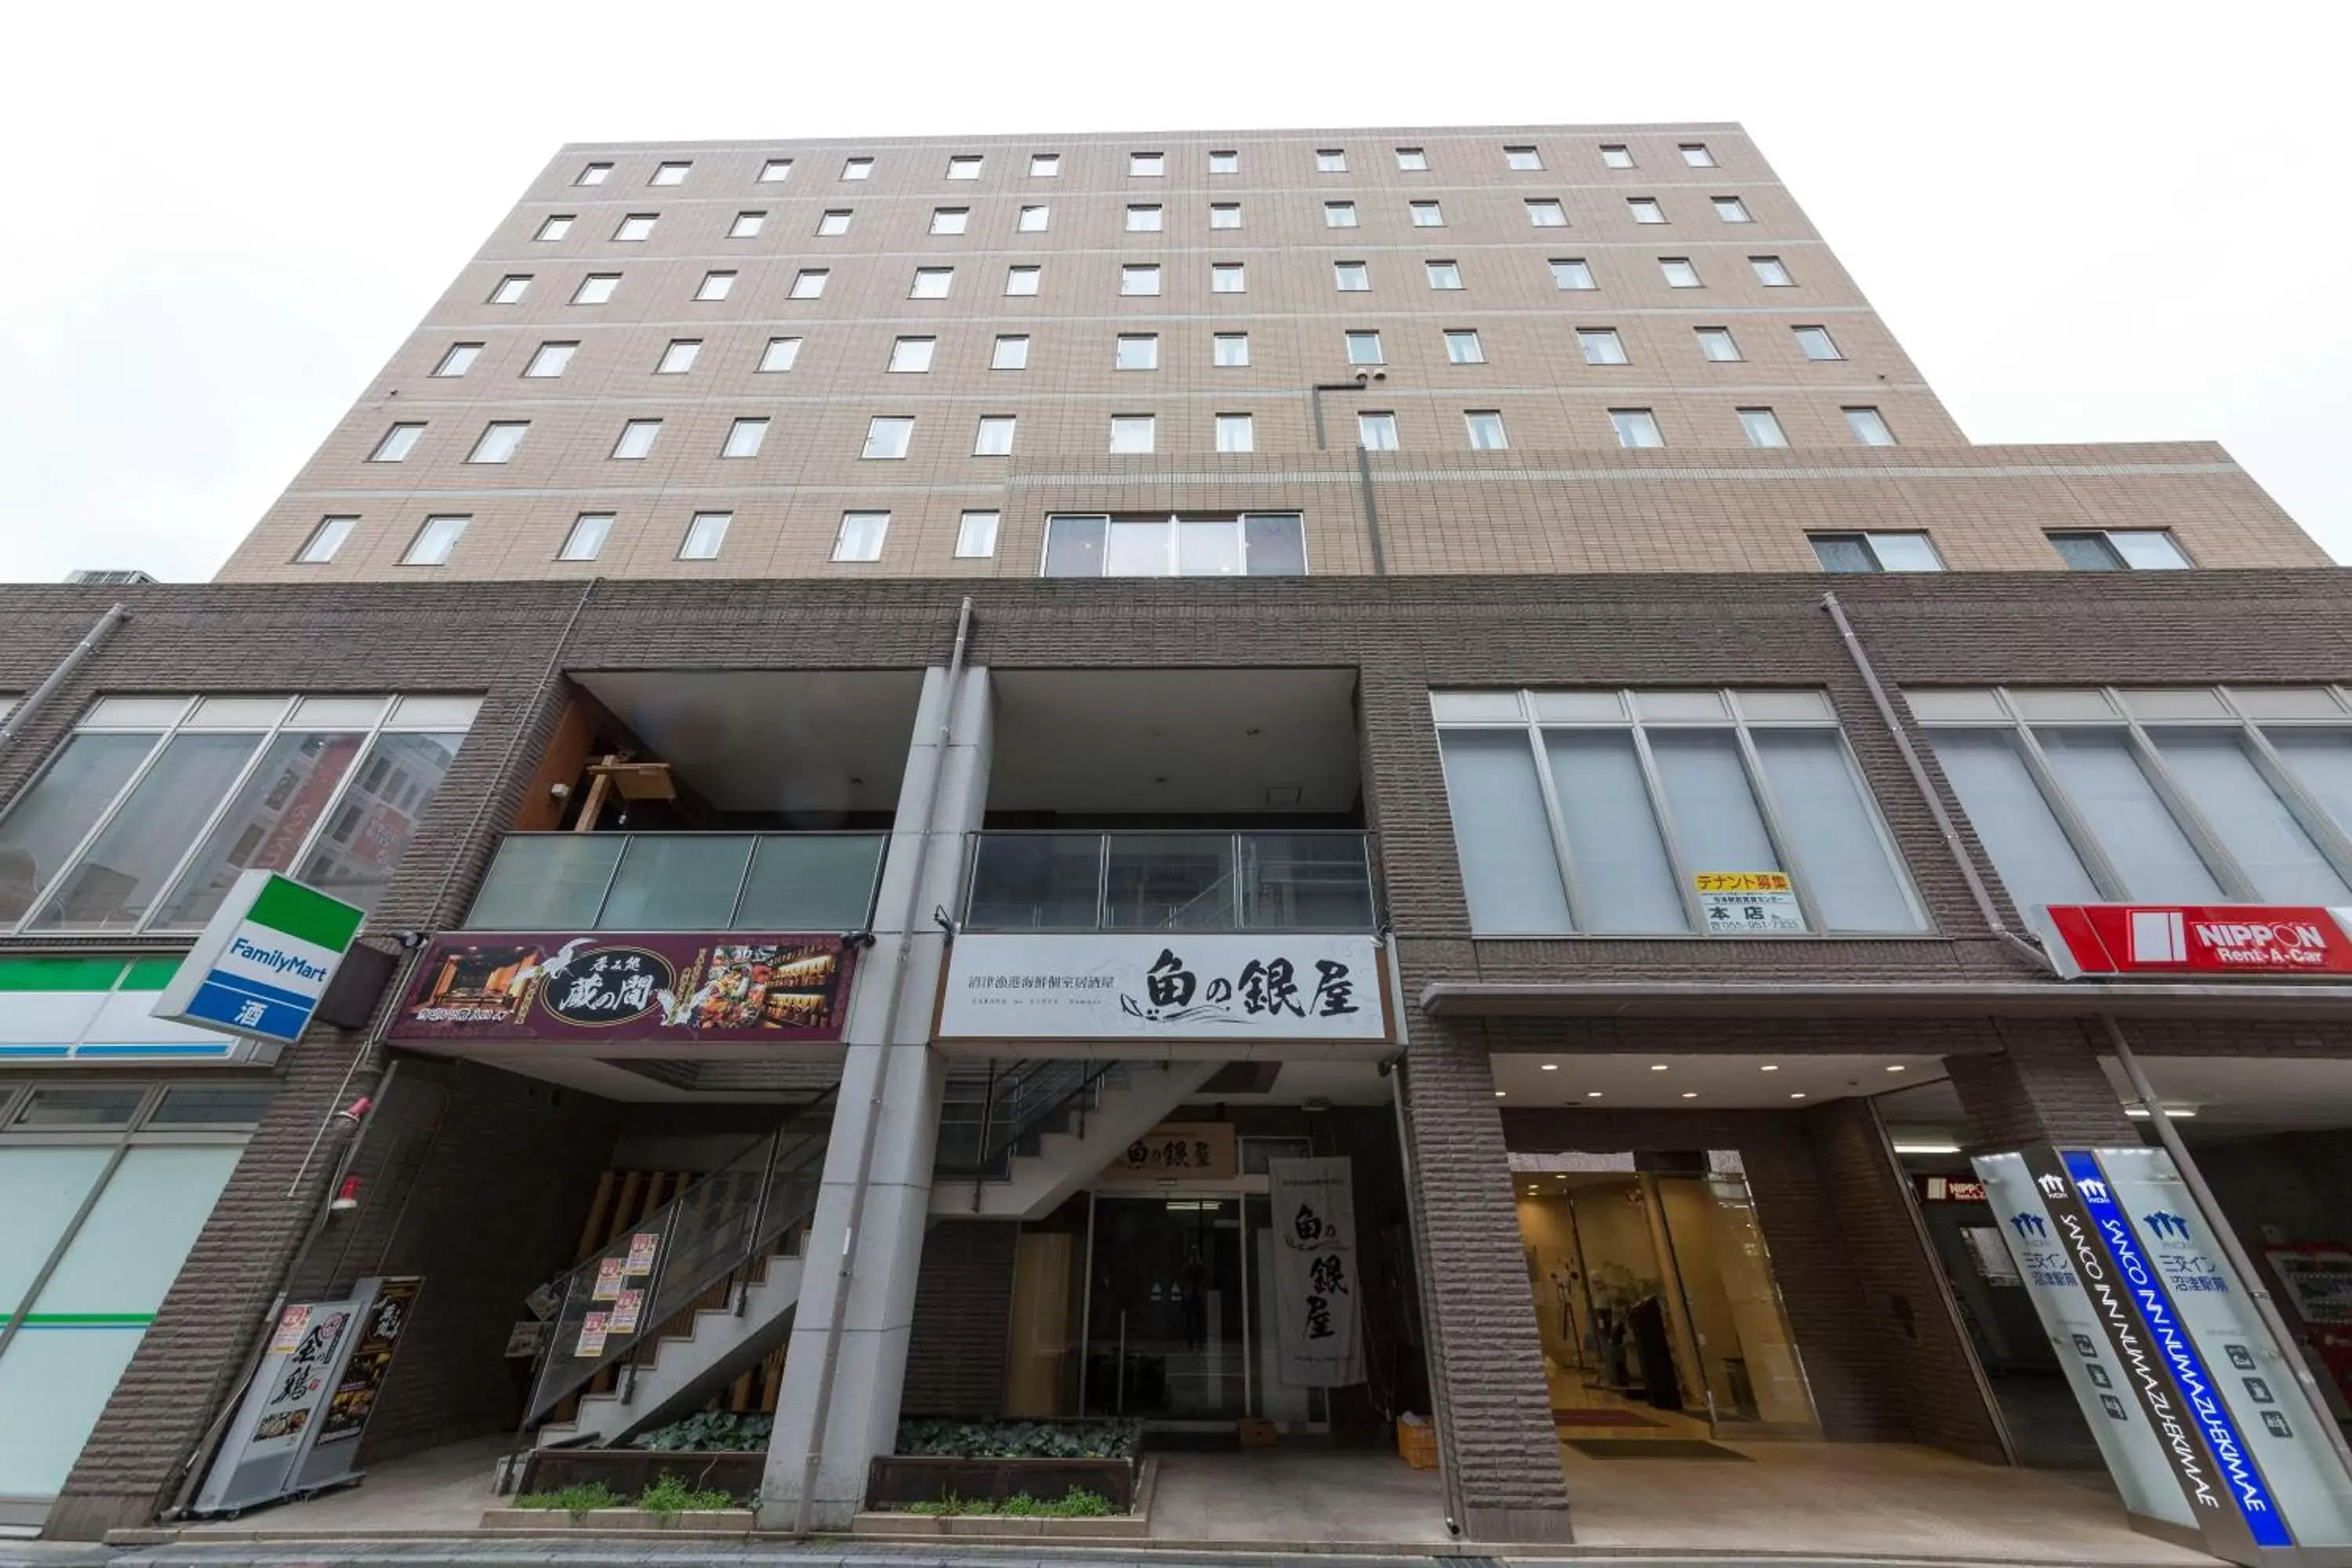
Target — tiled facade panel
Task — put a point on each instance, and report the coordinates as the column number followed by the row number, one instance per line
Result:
column 958, row 1348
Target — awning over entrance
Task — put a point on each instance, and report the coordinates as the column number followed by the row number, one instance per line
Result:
column 1878, row 999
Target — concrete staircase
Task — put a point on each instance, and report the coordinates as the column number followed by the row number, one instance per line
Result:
column 1056, row 1163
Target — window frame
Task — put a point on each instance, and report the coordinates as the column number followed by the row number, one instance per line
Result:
column 580, row 522
column 1733, row 715
column 1451, row 336
column 725, row 524
column 996, row 355
column 441, row 371
column 1239, row 519
column 1866, row 538
column 2121, row 563
column 966, row 528
column 326, row 541
column 693, row 351
column 841, row 535
column 612, row 290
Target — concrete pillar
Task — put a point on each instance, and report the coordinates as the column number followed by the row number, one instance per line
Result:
column 2043, row 1086
column 885, row 1123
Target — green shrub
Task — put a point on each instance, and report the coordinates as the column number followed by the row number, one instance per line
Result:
column 672, row 1495
column 577, row 1499
column 1021, row 1440
column 713, row 1431
column 1076, row 1503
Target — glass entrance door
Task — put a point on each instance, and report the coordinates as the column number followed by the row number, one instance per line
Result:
column 1746, row 1359
column 1166, row 1309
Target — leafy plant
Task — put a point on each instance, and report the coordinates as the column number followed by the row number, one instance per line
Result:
column 948, row 1506
column 1021, row 1440
column 579, row 1499
column 671, row 1494
column 713, row 1431
column 1076, row 1503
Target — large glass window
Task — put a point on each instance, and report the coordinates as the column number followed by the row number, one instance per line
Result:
column 1253, row 544
column 1670, row 812
column 2190, row 796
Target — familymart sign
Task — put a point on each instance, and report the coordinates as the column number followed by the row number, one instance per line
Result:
column 264, row 961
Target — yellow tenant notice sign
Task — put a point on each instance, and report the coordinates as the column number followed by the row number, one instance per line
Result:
column 1748, row 903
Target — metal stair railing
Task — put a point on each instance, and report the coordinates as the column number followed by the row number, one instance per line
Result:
column 1018, row 1102
column 713, row 1234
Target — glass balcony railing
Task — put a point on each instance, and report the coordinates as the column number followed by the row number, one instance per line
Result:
column 680, row 881
column 1176, row 880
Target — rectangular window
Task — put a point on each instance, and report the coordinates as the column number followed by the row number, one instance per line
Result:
column 1636, row 427
column 1571, row 272
column 587, row 540
column 808, row 283
column 1731, row 209
column 719, row 284
column 1227, row 278
column 1547, row 214
column 1876, row 552
column 976, row 535
column 2120, row 549
column 501, row 438
column 1427, row 215
column 1235, row 432
column 1032, row 220
column 1045, row 165
column 1338, row 215
column 834, row 222
column 1615, row 156
column 1869, row 426
column 1224, row 163
column 1229, row 351
column 1679, row 272
column 1351, row 277
column 635, row 228
column 1762, row 427
column 1146, row 166
column 1716, row 346
column 1364, row 348
column 1137, row 351
column 594, row 174
column 704, row 536
column 596, row 289
column 887, row 436
column 1023, row 280
column 1011, row 352
column 1376, row 431
column 951, row 220
column 1816, row 343
column 775, row 171
column 325, row 539
column 1253, row 544
column 679, row 356
column 1740, row 816
column 1602, row 345
column 993, row 437
column 1463, row 348
column 1645, row 209
column 1143, row 218
column 1138, row 279
column 435, row 541
column 1443, row 274
column 861, row 536
column 857, row 169
column 1522, row 160
column 636, row 440
column 509, row 289
column 1770, row 272
column 1332, row 161
column 1412, row 160
column 549, row 361
column 671, row 174
column 1224, row 214
column 932, row 283
column 397, row 443
column 458, row 360
column 556, row 228
column 964, row 168
column 1132, row 432
column 744, row 439
column 912, row 355
column 1696, row 154
column 781, row 354
column 1485, row 427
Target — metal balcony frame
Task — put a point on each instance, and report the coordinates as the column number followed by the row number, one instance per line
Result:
column 743, row 883
column 1103, row 838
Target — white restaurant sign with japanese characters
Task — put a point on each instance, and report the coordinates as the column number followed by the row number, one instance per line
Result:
column 1165, row 985
column 1315, row 1281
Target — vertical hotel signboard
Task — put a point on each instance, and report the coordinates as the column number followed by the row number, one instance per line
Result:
column 2192, row 1403
column 264, row 961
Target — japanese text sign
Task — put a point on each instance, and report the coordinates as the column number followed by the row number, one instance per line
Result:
column 1165, row 985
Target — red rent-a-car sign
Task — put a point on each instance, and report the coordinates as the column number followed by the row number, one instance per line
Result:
column 2265, row 941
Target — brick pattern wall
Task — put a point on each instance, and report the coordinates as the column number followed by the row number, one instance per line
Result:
column 957, row 1354
column 2044, row 1086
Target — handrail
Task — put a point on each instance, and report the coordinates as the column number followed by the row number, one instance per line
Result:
column 1057, row 1084
column 713, row 1230
column 1254, row 880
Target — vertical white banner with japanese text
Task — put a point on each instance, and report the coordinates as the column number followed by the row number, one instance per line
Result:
column 1314, row 1284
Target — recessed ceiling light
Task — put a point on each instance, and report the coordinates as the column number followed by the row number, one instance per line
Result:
column 1690, row 1094
column 1769, row 1067
column 1592, row 1094
column 1897, row 1067
column 1799, row 1095
column 1937, row 1148
column 1500, row 1092
column 1551, row 1067
column 1657, row 1066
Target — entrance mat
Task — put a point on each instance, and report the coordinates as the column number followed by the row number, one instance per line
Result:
column 1653, row 1449
column 1226, row 1440
column 1600, row 1415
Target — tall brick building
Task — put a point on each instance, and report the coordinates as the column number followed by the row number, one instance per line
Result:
column 737, row 583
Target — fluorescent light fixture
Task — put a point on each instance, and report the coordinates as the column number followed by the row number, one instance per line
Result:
column 1799, row 1095
column 1690, row 1094
column 1927, row 1148
column 1551, row 1067
column 1657, row 1066
column 1592, row 1094
column 1897, row 1067
column 1769, row 1067
column 2172, row 1112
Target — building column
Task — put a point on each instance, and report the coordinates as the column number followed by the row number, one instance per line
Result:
column 1493, row 1408
column 885, row 1123
column 2043, row 1086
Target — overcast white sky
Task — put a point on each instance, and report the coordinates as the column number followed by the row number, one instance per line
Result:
column 2088, row 221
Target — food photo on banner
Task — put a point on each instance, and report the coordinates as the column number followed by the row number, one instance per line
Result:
column 1315, row 1279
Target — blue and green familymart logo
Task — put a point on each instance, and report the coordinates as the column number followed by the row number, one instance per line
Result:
column 265, row 959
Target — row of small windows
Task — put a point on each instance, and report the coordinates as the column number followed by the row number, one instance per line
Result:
column 1136, row 280
column 1153, row 165
column 2082, row 550
column 1142, row 217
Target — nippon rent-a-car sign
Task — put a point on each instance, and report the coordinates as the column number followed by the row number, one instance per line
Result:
column 2268, row 941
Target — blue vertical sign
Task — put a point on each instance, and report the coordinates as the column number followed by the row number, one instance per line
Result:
column 2166, row 1331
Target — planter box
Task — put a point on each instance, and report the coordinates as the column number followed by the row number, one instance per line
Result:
column 894, row 1481
column 1006, row 1532
column 629, row 1471
column 623, row 1520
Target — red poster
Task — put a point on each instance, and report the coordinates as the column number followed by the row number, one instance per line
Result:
column 2261, row 940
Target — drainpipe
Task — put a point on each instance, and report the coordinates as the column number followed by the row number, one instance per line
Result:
column 1364, row 467
column 14, row 724
column 820, row 1413
column 2227, row 1239
column 1943, row 819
